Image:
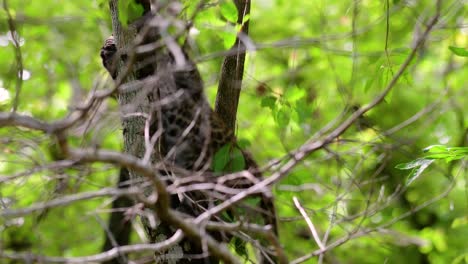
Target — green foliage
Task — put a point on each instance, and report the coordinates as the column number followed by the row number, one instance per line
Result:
column 446, row 153
column 308, row 73
column 462, row 52
column 129, row 11
column 417, row 167
column 434, row 152
column 229, row 11
column 228, row 158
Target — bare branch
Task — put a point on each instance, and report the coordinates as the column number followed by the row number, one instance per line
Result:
column 66, row 200
column 309, row 223
column 108, row 255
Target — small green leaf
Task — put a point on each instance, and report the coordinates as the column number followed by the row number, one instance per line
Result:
column 463, row 258
column 229, row 39
column 245, row 19
column 221, row 158
column 134, row 11
column 209, row 17
column 462, row 52
column 416, row 172
column 239, row 246
column 269, row 101
column 435, row 148
column 293, row 94
column 229, row 11
column 446, row 153
column 283, row 116
column 237, row 162
column 123, row 15
column 243, row 143
column 411, row 165
column 368, row 83
column 304, row 110
column 129, row 11
column 228, row 159
column 376, row 75
column 459, row 222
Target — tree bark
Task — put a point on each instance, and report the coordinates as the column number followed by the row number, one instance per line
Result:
column 232, row 71
column 119, row 229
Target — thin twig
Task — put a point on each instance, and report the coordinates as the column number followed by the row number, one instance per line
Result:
column 309, row 223
column 107, row 255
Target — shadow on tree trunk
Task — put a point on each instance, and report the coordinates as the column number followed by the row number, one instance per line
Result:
column 119, row 229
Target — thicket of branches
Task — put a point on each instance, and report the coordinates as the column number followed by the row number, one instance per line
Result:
column 328, row 108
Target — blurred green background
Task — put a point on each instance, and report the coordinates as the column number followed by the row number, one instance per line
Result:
column 315, row 62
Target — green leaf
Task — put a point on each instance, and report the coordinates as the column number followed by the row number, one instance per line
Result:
column 410, row 165
column 435, row 148
column 209, row 17
column 463, row 258
column 368, row 83
column 377, row 75
column 293, row 94
column 462, row 52
column 283, row 116
column 129, row 11
column 439, row 156
column 229, row 38
column 269, row 101
column 243, row 143
column 239, row 246
column 447, row 153
column 134, row 11
column 237, row 162
column 228, row 159
column 304, row 110
column 123, row 15
column 459, row 222
column 229, row 11
column 424, row 164
column 221, row 158
column 245, row 19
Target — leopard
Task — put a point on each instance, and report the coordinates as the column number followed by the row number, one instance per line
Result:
column 190, row 133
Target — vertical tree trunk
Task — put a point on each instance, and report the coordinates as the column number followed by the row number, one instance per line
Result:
column 119, row 229
column 232, row 72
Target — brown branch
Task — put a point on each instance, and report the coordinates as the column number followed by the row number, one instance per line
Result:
column 232, row 71
column 18, row 56
column 161, row 205
column 107, row 255
column 66, row 200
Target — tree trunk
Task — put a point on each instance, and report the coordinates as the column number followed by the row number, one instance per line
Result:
column 232, row 72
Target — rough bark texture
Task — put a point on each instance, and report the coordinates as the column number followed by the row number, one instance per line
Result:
column 129, row 102
column 119, row 232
